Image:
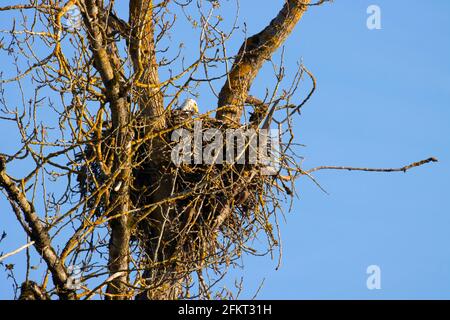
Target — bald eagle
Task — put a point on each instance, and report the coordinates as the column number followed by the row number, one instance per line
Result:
column 189, row 106
column 185, row 111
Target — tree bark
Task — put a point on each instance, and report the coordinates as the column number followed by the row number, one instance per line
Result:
column 150, row 101
column 107, row 65
column 142, row 51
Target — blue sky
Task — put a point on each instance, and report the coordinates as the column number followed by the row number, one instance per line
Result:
column 383, row 100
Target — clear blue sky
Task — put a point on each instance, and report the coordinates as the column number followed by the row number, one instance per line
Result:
column 383, row 99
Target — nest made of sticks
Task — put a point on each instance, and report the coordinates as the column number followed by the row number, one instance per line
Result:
column 213, row 209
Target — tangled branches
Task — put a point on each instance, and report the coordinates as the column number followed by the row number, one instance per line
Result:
column 99, row 133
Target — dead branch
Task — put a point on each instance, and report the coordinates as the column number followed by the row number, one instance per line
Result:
column 402, row 169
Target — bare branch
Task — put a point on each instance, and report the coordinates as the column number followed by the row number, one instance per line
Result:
column 252, row 55
column 29, row 244
column 402, row 169
column 37, row 233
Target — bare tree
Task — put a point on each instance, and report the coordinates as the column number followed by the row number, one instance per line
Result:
column 102, row 191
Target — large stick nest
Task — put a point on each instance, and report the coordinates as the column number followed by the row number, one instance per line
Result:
column 210, row 214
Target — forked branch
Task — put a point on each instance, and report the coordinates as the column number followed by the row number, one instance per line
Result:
column 37, row 233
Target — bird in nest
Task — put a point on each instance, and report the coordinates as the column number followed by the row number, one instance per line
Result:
column 184, row 112
column 189, row 106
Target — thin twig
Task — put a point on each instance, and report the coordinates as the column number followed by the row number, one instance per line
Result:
column 402, row 169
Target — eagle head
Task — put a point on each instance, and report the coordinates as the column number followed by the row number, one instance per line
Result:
column 189, row 106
